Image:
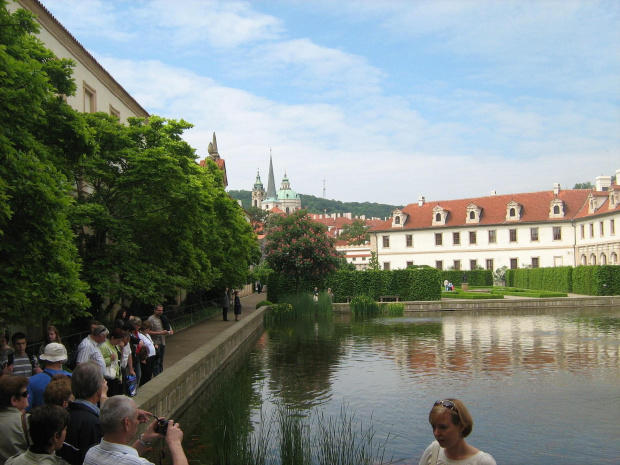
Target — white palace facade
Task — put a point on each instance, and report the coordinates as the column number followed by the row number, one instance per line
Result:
column 535, row 229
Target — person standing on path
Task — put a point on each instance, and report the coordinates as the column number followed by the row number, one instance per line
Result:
column 158, row 333
column 225, row 303
column 237, row 306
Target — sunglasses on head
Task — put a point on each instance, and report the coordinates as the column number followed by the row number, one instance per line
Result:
column 446, row 403
column 24, row 394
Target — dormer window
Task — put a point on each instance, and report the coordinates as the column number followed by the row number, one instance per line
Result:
column 513, row 211
column 398, row 218
column 613, row 198
column 473, row 213
column 556, row 208
column 595, row 202
column 440, row 215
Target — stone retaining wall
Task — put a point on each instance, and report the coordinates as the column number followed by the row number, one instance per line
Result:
column 501, row 304
column 168, row 394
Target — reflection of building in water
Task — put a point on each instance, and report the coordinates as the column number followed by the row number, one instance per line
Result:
column 503, row 343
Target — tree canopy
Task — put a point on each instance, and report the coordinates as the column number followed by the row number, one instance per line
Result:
column 355, row 233
column 152, row 221
column 298, row 246
column 88, row 204
column 39, row 263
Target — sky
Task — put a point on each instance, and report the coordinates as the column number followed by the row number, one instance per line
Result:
column 379, row 101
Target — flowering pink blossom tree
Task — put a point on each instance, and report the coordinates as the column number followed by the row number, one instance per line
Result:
column 298, row 246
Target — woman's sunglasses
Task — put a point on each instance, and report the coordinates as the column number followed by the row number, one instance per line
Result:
column 24, row 394
column 447, row 404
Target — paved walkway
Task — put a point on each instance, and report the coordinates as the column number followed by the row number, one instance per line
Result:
column 184, row 342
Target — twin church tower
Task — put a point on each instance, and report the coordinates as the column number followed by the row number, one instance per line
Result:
column 285, row 200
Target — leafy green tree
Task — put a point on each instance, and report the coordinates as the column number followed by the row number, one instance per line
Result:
column 298, row 246
column 355, row 233
column 152, row 221
column 373, row 263
column 584, row 185
column 39, row 264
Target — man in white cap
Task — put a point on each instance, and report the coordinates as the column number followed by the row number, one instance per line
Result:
column 54, row 356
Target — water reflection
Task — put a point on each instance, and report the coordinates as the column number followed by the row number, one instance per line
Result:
column 542, row 385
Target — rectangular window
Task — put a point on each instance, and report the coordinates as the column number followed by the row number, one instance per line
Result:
column 513, row 235
column 457, row 265
column 438, row 239
column 514, row 263
column 386, row 241
column 492, row 236
column 439, row 264
column 456, row 238
column 583, row 231
column 535, row 262
column 534, row 234
column 591, row 230
column 473, row 264
column 557, row 233
column 409, row 240
column 409, row 264
column 490, row 264
column 472, row 237
column 90, row 99
column 612, row 227
column 602, row 227
column 115, row 112
column 386, row 266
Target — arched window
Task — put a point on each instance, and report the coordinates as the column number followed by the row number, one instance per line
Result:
column 397, row 220
column 613, row 258
column 592, row 259
column 513, row 212
column 472, row 215
column 603, row 259
column 287, row 210
column 437, row 217
column 556, row 210
column 584, row 260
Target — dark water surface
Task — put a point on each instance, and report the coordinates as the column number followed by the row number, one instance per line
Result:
column 543, row 386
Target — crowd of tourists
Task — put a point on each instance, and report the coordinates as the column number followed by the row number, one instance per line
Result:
column 53, row 415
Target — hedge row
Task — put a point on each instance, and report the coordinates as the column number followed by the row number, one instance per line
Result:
column 409, row 285
column 597, row 280
column 558, row 279
column 472, row 277
column 587, row 280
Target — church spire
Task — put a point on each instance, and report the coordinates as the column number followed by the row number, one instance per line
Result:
column 213, row 153
column 271, row 183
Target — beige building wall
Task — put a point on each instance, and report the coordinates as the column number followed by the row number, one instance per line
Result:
column 96, row 90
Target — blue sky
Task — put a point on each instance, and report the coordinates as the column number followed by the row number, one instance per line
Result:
column 384, row 100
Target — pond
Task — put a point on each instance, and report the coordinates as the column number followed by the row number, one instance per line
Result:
column 543, row 386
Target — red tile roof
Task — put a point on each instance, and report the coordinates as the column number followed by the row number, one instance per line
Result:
column 535, row 207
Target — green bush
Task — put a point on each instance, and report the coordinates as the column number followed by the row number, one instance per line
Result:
column 279, row 312
column 469, row 295
column 395, row 309
column 597, row 280
column 474, row 277
column 263, row 303
column 364, row 305
column 555, row 279
column 410, row 284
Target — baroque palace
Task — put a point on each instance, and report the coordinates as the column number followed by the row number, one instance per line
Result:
column 535, row 229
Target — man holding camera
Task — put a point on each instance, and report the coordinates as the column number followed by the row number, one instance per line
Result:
column 120, row 419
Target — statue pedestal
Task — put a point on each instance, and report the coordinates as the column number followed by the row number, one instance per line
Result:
column 465, row 287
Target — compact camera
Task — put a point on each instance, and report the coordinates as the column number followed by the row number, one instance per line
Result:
column 162, row 426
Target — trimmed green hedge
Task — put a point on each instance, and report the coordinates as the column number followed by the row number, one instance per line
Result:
column 409, row 285
column 597, row 280
column 557, row 279
column 469, row 295
column 474, row 277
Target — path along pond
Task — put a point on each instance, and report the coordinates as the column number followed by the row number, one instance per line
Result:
column 543, row 387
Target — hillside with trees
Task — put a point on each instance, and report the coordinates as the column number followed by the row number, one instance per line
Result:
column 319, row 205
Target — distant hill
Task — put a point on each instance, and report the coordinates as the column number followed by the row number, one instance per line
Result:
column 319, row 205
